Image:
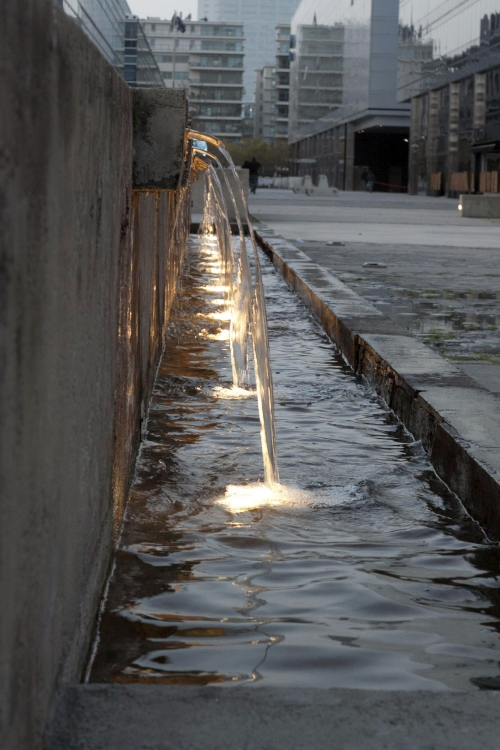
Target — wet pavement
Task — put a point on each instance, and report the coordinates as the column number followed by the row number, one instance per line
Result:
column 446, row 294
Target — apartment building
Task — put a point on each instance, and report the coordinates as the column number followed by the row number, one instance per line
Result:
column 259, row 19
column 454, row 89
column 344, row 112
column 282, row 81
column 272, row 86
column 265, row 104
column 207, row 62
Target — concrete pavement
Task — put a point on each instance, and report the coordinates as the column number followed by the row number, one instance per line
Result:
column 161, row 717
column 440, row 277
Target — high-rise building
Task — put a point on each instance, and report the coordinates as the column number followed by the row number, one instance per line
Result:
column 453, row 83
column 345, row 118
column 207, row 62
column 282, row 81
column 265, row 104
column 119, row 36
column 259, row 19
column 272, row 92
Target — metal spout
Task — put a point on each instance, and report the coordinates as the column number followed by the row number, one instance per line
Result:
column 193, row 134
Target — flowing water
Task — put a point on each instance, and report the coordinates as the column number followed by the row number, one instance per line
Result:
column 243, row 306
column 360, row 570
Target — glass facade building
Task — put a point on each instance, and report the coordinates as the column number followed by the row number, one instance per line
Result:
column 259, row 19
column 344, row 115
column 119, row 36
column 454, row 89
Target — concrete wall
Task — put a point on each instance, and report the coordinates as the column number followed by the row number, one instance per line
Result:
column 480, row 206
column 82, row 311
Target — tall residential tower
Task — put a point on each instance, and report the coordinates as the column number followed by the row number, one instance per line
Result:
column 259, row 19
column 345, row 117
column 207, row 62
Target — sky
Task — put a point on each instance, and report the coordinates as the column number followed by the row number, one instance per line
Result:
column 163, row 8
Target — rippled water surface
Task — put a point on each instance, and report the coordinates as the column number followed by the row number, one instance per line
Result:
column 360, row 571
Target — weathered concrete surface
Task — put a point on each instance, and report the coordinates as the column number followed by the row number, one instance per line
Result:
column 457, row 421
column 486, row 374
column 444, row 291
column 480, row 206
column 158, row 717
column 80, row 319
column 160, row 117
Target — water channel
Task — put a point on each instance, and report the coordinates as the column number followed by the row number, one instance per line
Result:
column 360, row 570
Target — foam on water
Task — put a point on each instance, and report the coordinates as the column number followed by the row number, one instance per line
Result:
column 241, row 498
column 233, row 393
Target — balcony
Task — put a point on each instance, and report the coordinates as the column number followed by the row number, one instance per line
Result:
column 238, row 69
column 207, row 97
column 199, row 84
column 218, row 118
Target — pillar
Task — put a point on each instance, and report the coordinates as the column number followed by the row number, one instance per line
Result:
column 349, row 156
column 432, row 136
column 453, row 134
column 415, row 145
column 479, row 106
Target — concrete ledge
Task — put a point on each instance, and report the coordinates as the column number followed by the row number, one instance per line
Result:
column 159, row 119
column 160, row 717
column 457, row 421
column 480, row 206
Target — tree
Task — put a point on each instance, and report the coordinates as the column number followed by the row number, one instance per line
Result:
column 271, row 157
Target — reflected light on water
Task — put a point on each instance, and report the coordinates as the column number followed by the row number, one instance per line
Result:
column 222, row 315
column 220, row 336
column 210, row 267
column 214, row 288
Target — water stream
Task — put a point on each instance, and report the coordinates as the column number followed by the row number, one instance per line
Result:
column 360, row 570
column 240, row 300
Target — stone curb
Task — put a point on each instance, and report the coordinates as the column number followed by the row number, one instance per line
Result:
column 456, row 419
column 163, row 717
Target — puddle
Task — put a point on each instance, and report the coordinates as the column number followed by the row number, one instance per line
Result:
column 461, row 325
column 359, row 571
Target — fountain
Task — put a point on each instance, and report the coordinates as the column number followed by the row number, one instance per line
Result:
column 360, row 570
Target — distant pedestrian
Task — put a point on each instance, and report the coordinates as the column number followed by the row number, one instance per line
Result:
column 364, row 177
column 253, row 167
column 370, row 182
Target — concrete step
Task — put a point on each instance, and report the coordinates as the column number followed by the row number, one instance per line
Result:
column 161, row 717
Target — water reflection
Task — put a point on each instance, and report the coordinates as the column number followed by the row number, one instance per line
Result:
column 361, row 572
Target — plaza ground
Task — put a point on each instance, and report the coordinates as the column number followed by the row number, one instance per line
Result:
column 439, row 273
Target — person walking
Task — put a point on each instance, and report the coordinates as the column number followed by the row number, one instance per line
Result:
column 253, row 167
column 370, row 182
column 364, row 177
